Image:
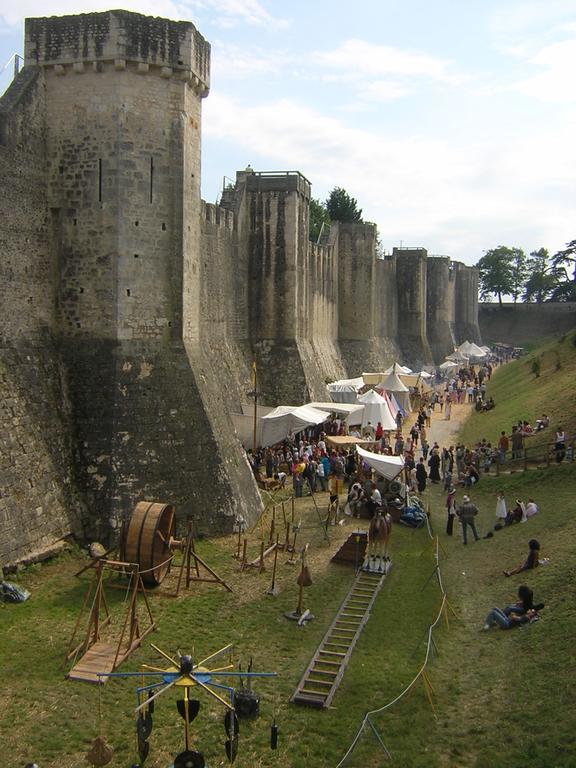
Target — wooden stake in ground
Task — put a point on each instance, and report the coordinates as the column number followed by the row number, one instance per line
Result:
column 273, row 589
column 304, row 580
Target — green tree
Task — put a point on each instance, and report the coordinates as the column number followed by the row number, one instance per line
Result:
column 564, row 266
column 519, row 272
column 541, row 279
column 342, row 207
column 318, row 216
column 497, row 275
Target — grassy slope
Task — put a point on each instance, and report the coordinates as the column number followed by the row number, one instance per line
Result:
column 502, row 699
column 520, row 395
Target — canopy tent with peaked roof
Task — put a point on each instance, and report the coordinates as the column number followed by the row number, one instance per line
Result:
column 457, row 356
column 387, row 466
column 448, row 365
column 345, row 390
column 469, row 349
column 352, row 412
column 394, row 385
column 397, row 368
column 285, row 420
column 376, row 409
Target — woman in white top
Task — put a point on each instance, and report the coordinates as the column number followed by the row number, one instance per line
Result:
column 560, row 445
column 501, row 511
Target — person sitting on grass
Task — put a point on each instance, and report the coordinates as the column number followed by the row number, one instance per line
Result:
column 531, row 561
column 521, row 612
column 516, row 515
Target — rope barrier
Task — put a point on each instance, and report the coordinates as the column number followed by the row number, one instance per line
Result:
column 366, row 721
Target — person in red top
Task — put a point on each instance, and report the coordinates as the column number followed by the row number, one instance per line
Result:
column 379, row 431
column 503, row 445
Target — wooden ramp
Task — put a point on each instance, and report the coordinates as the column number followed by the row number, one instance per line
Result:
column 353, row 550
column 323, row 675
column 99, row 658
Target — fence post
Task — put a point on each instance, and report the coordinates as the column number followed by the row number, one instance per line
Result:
column 525, row 459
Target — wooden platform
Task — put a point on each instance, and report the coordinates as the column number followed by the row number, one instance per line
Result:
column 99, row 658
column 353, row 549
column 323, row 675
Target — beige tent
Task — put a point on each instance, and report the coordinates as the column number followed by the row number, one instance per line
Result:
column 376, row 409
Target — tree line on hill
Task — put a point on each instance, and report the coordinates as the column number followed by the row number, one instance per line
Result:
column 537, row 278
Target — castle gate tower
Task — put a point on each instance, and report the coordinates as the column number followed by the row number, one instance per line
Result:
column 123, row 95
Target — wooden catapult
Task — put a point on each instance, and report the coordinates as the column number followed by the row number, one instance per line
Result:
column 146, row 554
column 148, row 541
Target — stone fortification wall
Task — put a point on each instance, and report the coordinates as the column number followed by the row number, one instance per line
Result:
column 120, row 175
column 37, row 503
column 518, row 324
column 466, row 326
column 367, row 303
column 133, row 310
column 440, row 306
column 411, row 276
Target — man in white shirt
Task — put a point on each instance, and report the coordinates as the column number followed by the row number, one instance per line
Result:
column 531, row 508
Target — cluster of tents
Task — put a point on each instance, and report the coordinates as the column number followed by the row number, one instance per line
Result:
column 389, row 393
column 467, row 353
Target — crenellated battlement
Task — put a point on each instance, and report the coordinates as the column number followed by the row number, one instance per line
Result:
column 215, row 214
column 118, row 41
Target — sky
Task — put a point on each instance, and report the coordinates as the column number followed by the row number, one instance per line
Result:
column 451, row 122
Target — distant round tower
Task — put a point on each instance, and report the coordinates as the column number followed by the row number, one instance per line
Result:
column 440, row 281
column 411, row 274
column 466, row 304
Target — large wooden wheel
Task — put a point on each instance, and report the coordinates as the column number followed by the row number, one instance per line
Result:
column 147, row 540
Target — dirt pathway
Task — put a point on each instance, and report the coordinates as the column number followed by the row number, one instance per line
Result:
column 445, row 432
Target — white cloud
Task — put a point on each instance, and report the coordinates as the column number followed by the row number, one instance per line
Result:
column 230, row 12
column 235, row 61
column 555, row 81
column 453, row 196
column 226, row 12
column 364, row 58
column 383, row 90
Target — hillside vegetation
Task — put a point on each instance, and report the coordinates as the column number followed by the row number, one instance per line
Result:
column 520, row 394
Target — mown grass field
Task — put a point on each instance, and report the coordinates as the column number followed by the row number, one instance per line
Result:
column 502, row 699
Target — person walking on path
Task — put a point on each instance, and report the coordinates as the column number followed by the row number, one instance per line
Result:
column 421, row 476
column 451, row 509
column 467, row 512
column 434, row 464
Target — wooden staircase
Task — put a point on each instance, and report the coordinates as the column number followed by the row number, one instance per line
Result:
column 323, row 675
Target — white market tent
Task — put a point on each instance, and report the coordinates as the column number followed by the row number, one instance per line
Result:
column 351, row 412
column 285, row 420
column 397, row 368
column 345, row 390
column 387, row 466
column 393, row 385
column 448, row 365
column 458, row 357
column 376, row 409
column 487, row 350
column 469, row 349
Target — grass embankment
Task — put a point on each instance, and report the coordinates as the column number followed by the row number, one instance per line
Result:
column 503, row 699
column 519, row 394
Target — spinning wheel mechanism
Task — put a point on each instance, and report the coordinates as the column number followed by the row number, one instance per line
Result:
column 148, row 540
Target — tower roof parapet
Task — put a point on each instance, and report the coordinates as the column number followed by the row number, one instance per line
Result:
column 121, row 37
